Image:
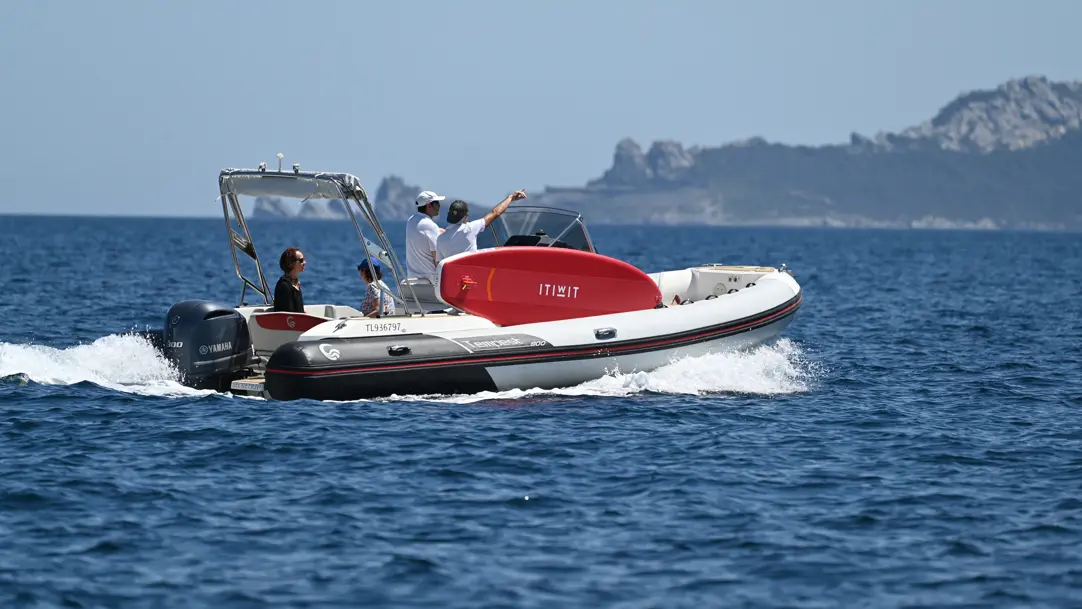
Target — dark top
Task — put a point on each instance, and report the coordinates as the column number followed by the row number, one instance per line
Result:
column 287, row 298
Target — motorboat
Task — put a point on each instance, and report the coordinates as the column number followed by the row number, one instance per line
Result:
column 536, row 306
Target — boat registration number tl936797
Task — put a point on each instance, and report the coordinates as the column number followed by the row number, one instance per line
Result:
column 383, row 327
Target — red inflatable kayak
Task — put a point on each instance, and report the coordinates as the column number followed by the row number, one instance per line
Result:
column 519, row 285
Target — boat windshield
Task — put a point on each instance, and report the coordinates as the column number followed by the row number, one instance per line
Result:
column 537, row 226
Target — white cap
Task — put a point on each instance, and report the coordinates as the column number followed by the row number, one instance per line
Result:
column 427, row 197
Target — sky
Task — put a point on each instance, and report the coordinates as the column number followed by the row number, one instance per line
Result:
column 132, row 108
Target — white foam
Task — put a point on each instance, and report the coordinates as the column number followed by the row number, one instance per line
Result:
column 131, row 364
column 125, row 363
column 766, row 370
column 776, row 369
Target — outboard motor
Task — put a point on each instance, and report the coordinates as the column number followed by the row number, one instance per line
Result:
column 209, row 343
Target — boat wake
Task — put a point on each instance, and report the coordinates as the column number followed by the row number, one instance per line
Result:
column 123, row 362
column 130, row 364
column 777, row 369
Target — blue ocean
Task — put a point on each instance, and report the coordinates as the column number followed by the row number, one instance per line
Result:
column 914, row 439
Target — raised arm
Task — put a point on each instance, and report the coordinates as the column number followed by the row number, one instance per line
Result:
column 503, row 205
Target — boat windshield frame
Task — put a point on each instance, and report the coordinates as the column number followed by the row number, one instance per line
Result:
column 565, row 228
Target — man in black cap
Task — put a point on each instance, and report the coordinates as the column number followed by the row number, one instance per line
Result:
column 461, row 235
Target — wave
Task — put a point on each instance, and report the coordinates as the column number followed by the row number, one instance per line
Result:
column 780, row 368
column 129, row 363
column 122, row 362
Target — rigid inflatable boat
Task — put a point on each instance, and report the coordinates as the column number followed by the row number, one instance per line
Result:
column 535, row 307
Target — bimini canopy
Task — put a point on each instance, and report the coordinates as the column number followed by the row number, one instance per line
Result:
column 300, row 185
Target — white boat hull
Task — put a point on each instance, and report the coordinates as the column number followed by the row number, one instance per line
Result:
column 346, row 361
column 564, row 374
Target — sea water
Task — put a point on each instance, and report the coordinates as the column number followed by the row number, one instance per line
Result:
column 913, row 439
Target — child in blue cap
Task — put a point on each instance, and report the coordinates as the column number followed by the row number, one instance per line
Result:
column 376, row 303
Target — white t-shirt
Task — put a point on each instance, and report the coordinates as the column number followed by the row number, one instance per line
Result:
column 421, row 233
column 458, row 238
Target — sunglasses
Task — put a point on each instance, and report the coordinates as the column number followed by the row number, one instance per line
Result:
column 300, row 260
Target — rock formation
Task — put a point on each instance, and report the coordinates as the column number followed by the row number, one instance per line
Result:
column 1004, row 157
column 272, row 207
column 1007, row 157
column 322, row 209
column 1019, row 114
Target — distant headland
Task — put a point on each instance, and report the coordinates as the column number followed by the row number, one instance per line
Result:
column 1009, row 157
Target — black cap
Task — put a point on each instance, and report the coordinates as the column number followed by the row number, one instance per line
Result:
column 457, row 211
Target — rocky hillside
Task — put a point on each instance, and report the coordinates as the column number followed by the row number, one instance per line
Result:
column 1019, row 114
column 1001, row 158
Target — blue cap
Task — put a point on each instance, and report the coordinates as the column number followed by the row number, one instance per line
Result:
column 364, row 263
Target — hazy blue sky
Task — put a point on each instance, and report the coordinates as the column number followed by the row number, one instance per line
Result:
column 141, row 103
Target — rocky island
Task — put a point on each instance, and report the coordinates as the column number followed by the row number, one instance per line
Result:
column 1009, row 157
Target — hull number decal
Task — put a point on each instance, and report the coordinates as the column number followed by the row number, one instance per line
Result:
column 383, row 327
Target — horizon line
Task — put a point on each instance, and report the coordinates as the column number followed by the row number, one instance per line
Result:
column 128, row 216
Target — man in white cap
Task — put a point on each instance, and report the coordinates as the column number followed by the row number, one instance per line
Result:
column 421, row 235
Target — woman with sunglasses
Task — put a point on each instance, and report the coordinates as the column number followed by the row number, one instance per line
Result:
column 287, row 293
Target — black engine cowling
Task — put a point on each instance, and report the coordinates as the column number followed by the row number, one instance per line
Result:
column 209, row 343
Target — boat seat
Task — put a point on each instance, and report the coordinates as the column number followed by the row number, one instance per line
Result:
column 672, row 283
column 320, row 310
column 425, row 291
column 717, row 280
column 269, row 329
